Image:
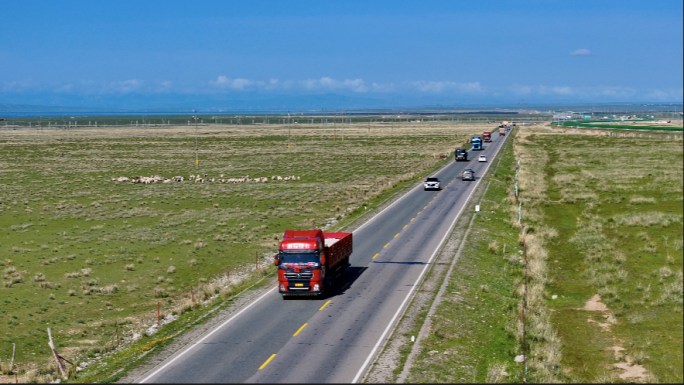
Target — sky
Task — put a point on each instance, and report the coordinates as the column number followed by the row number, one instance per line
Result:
column 335, row 54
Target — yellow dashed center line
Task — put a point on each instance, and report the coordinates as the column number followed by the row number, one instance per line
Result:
column 325, row 304
column 267, row 361
column 376, row 254
column 413, row 218
column 396, row 235
column 387, row 244
column 300, row 329
column 405, row 226
column 345, row 285
column 424, row 207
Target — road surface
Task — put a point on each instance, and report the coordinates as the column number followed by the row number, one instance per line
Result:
column 335, row 339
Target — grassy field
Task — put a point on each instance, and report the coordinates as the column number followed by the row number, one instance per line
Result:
column 606, row 214
column 90, row 257
column 597, row 261
column 675, row 126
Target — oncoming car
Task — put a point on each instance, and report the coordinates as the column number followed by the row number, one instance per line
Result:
column 482, row 158
column 468, row 174
column 431, row 183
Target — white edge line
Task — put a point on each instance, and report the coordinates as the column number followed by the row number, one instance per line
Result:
column 408, row 296
column 204, row 338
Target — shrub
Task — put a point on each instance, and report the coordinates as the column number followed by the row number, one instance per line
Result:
column 493, row 247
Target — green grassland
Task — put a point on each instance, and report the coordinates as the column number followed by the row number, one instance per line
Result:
column 616, row 207
column 625, row 126
column 81, row 253
column 600, row 277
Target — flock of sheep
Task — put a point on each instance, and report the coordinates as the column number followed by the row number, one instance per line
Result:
column 200, row 179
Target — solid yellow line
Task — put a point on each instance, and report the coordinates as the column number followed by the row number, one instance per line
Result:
column 412, row 219
column 387, row 244
column 325, row 304
column 300, row 329
column 267, row 361
column 396, row 235
column 405, row 226
column 376, row 254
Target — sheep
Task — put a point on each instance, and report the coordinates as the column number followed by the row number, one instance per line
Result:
column 199, row 180
column 264, row 179
column 280, row 177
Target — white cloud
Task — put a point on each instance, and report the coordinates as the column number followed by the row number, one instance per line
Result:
column 581, row 52
column 327, row 83
column 125, row 86
column 445, row 86
column 235, row 84
column 665, row 95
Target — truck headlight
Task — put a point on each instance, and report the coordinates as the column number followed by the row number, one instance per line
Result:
column 316, row 287
column 282, row 287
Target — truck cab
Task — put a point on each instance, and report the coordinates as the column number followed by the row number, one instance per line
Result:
column 310, row 261
column 487, row 136
column 476, row 142
column 460, row 154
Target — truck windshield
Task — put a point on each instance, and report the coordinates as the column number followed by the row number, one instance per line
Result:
column 299, row 257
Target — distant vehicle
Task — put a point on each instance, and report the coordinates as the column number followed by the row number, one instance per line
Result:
column 309, row 262
column 468, row 174
column 476, row 142
column 487, row 136
column 460, row 154
column 502, row 131
column 431, row 183
column 482, row 158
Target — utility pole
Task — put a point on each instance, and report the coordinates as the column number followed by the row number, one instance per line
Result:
column 196, row 142
column 289, row 126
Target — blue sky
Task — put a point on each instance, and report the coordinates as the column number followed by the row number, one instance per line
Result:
column 214, row 54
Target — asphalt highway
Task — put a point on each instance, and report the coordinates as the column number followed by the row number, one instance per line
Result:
column 336, row 338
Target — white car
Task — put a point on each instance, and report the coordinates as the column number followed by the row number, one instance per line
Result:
column 482, row 158
column 432, row 183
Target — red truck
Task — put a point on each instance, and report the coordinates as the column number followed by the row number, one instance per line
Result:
column 309, row 262
column 487, row 136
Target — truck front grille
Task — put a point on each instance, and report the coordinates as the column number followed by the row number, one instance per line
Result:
column 302, row 275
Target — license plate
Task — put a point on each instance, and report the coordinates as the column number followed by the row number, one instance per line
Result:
column 299, row 284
